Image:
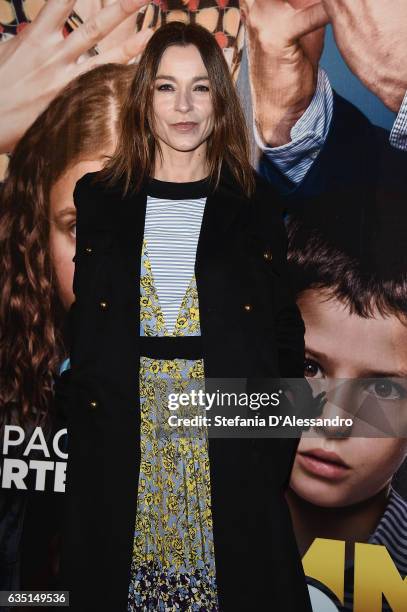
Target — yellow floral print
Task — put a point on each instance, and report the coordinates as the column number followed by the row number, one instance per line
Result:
column 173, row 555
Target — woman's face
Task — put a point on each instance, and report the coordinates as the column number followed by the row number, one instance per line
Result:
column 182, row 103
column 62, row 217
column 364, row 369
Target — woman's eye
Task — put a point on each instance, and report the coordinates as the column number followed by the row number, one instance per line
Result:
column 386, row 389
column 312, row 369
column 170, row 87
column 72, row 230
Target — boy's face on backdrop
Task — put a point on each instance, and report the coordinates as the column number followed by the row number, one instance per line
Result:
column 334, row 467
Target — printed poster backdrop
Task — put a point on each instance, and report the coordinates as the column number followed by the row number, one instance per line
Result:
column 347, row 253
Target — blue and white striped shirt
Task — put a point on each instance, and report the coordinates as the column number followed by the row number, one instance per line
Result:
column 308, row 134
column 171, row 232
column 390, row 532
column 398, row 135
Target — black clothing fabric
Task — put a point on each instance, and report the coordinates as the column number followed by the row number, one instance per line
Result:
column 251, row 328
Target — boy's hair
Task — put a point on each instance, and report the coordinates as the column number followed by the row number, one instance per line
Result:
column 356, row 254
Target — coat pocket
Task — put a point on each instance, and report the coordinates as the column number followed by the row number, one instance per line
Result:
column 92, row 249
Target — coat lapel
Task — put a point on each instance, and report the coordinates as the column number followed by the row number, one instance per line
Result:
column 130, row 232
column 224, row 205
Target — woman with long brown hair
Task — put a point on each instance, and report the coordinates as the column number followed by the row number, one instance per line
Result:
column 179, row 275
column 74, row 135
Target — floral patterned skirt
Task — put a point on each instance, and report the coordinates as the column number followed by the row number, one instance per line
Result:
column 173, row 564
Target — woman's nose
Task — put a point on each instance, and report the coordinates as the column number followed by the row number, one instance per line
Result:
column 183, row 100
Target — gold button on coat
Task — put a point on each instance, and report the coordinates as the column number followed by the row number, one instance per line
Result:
column 103, row 305
column 88, row 250
column 268, row 256
column 248, row 307
column 93, row 404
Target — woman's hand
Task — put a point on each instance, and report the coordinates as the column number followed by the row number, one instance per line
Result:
column 37, row 63
column 285, row 42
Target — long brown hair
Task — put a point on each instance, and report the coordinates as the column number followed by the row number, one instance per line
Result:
column 133, row 160
column 79, row 124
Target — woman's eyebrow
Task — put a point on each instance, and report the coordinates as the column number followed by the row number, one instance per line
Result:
column 167, row 77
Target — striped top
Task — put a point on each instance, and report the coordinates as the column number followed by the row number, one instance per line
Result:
column 173, row 222
column 398, row 135
column 390, row 532
column 308, row 134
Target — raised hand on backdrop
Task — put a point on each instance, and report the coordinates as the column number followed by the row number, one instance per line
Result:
column 285, row 42
column 37, row 63
column 372, row 38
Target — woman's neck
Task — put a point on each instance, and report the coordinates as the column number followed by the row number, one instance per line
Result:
column 181, row 166
column 349, row 523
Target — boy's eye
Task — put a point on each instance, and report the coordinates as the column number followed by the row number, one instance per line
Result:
column 312, row 369
column 202, row 88
column 386, row 389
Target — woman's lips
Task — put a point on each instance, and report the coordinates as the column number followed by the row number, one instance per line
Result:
column 323, row 463
column 184, row 126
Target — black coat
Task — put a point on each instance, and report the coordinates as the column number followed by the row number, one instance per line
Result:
column 240, row 261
